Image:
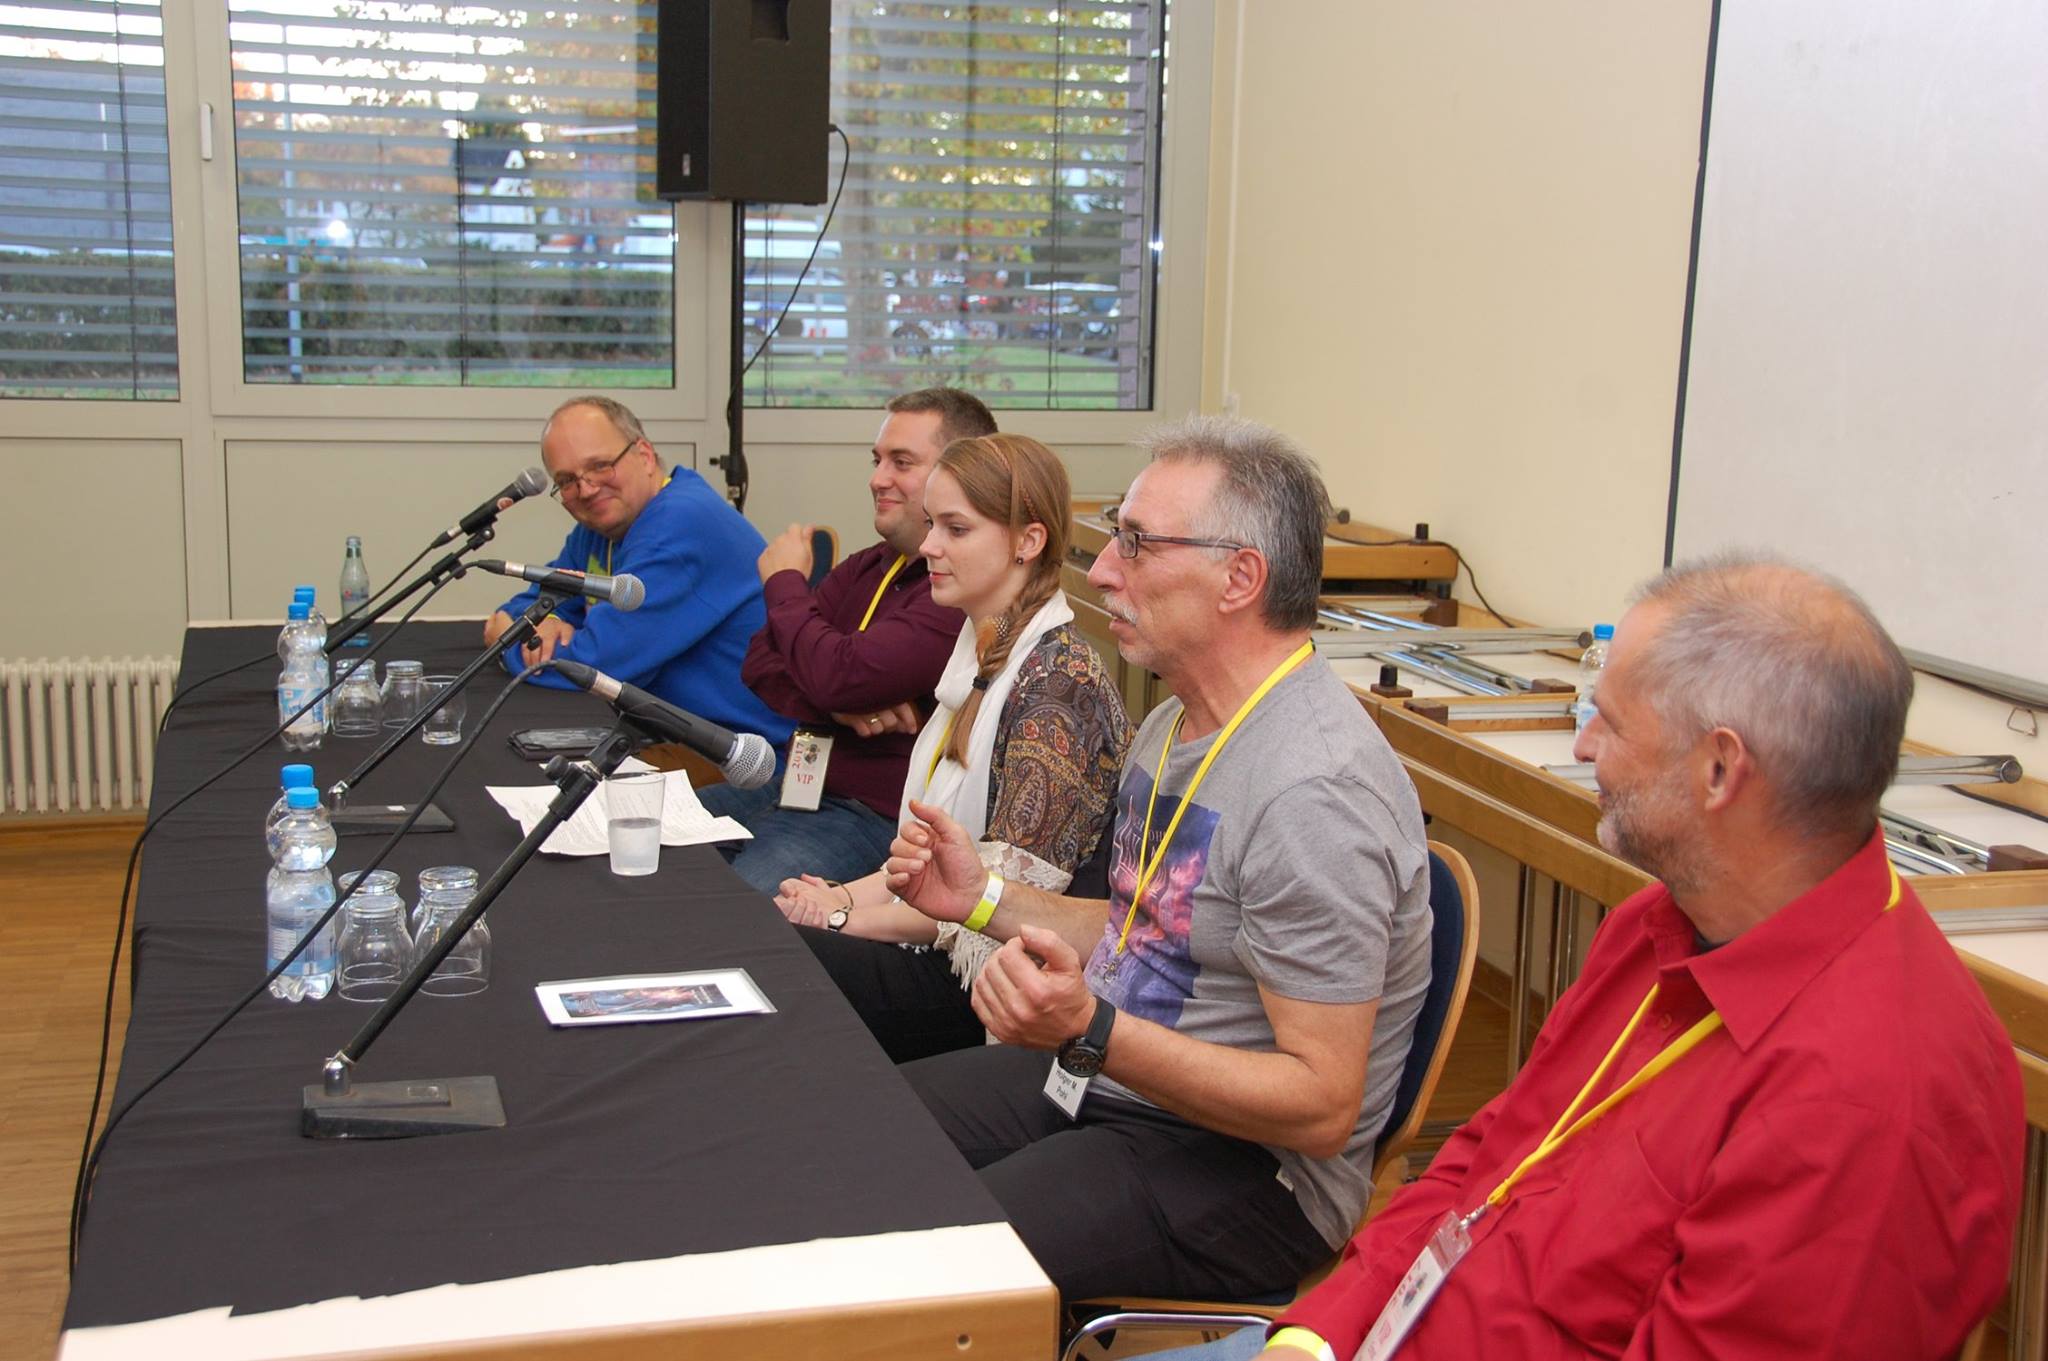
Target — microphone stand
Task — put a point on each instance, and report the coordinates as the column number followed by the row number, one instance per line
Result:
column 449, row 564
column 383, row 818
column 337, row 1107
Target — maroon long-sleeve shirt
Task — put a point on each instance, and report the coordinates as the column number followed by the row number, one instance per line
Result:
column 812, row 660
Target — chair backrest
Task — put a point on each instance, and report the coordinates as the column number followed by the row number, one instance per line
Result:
column 1453, row 946
column 824, row 552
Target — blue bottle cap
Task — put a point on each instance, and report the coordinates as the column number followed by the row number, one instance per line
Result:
column 303, row 593
column 305, row 796
column 299, row 610
column 1603, row 632
column 294, row 776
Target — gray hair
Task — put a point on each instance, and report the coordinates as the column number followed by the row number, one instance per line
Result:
column 1794, row 662
column 618, row 413
column 1270, row 498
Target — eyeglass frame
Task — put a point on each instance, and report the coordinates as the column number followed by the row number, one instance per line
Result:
column 1138, row 538
column 597, row 474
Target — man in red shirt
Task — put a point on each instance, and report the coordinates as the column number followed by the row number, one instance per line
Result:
column 853, row 662
column 1830, row 1163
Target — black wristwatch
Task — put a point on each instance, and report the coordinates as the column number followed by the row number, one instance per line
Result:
column 1083, row 1055
column 835, row 920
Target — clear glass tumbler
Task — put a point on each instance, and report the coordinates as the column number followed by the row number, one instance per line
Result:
column 375, row 950
column 403, row 683
column 357, row 706
column 445, row 891
column 444, row 727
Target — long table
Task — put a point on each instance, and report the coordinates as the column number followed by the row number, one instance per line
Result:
column 762, row 1182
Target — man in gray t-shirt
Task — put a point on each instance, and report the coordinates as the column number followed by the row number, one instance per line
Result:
column 1245, row 1025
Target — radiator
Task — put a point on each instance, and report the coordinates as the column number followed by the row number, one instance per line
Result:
column 79, row 736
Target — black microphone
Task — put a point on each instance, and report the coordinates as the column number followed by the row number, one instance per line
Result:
column 746, row 758
column 532, row 482
column 622, row 592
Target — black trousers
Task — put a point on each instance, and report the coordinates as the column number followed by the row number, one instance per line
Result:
column 1127, row 1200
column 909, row 999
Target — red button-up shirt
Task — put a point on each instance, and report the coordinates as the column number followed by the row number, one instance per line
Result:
column 1835, row 1173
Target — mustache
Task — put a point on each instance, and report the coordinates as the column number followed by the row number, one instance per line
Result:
column 1116, row 609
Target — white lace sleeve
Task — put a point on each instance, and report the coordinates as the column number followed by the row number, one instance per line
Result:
column 969, row 950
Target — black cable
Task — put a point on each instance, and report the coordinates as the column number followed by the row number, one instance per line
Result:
column 81, row 1193
column 768, row 336
column 1439, row 543
column 86, row 1155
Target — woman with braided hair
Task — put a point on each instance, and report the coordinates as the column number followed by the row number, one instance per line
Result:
column 1024, row 749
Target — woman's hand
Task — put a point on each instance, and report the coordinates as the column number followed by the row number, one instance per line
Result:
column 808, row 900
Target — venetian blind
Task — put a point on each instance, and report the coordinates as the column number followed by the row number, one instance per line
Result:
column 997, row 229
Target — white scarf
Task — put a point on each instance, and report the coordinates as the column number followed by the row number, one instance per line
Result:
column 963, row 790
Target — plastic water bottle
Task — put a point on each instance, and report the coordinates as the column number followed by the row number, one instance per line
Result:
column 316, row 622
column 305, row 675
column 292, row 627
column 292, row 777
column 297, row 894
column 355, row 586
column 1591, row 663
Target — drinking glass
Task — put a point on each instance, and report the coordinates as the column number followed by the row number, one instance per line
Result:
column 444, row 727
column 375, row 950
column 402, row 686
column 633, row 820
column 357, row 706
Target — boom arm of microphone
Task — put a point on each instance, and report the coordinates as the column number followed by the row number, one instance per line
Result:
column 522, row 629
column 337, row 1107
column 532, row 482
column 746, row 758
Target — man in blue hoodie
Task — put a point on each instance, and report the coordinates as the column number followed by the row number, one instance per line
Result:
column 688, row 546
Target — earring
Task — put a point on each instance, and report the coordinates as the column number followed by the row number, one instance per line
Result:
column 1020, row 560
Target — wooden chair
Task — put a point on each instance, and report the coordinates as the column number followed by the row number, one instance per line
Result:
column 1454, row 945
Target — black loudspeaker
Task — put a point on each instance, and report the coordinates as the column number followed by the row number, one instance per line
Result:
column 741, row 100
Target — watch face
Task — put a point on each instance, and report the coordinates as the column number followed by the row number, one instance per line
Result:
column 1080, row 1060
column 836, row 919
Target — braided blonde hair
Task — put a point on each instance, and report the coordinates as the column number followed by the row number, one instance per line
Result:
column 1015, row 481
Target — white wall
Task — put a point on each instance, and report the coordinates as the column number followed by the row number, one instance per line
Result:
column 1451, row 257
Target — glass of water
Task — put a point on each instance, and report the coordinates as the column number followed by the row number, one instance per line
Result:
column 633, row 820
column 443, row 727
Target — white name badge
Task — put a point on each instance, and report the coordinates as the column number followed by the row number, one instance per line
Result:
column 1443, row 1251
column 1065, row 1089
column 803, row 782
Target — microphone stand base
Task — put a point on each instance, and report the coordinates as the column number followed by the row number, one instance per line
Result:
column 382, row 819
column 402, row 1110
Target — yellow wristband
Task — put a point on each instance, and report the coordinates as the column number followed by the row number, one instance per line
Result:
column 1303, row 1339
column 991, row 898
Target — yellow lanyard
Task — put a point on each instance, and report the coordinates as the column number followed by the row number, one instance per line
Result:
column 1148, row 868
column 887, row 577
column 1566, row 1127
column 939, row 752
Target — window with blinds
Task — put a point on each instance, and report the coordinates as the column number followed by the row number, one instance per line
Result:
column 998, row 225
column 450, row 194
column 86, row 299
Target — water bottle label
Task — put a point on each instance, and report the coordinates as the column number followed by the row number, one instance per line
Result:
column 292, row 698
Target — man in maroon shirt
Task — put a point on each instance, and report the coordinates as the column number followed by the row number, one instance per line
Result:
column 853, row 662
column 1829, row 1165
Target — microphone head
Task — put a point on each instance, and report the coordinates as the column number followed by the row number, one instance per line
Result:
column 751, row 762
column 532, row 482
column 627, row 592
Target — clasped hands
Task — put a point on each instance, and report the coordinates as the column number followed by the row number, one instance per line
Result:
column 1031, row 992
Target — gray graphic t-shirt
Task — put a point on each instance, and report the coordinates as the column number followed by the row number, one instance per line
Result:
column 1301, row 866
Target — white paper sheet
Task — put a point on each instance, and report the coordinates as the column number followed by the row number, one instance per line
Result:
column 683, row 819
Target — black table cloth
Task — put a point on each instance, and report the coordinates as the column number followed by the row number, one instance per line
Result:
column 622, row 1143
